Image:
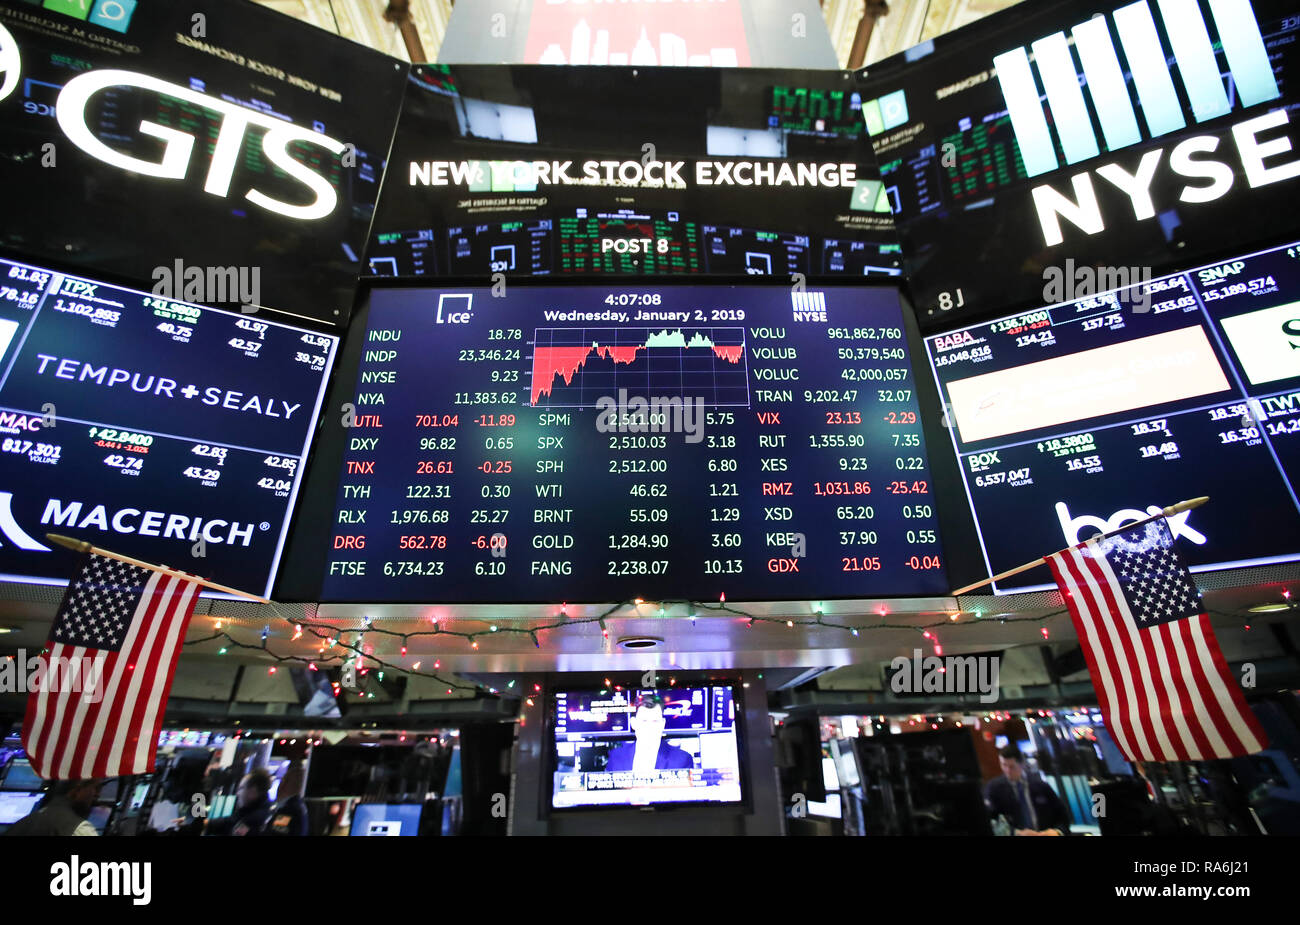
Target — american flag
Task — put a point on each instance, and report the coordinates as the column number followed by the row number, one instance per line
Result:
column 130, row 622
column 1164, row 686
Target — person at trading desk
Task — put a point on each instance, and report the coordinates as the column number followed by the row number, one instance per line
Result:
column 1032, row 807
column 64, row 810
column 649, row 752
column 253, row 807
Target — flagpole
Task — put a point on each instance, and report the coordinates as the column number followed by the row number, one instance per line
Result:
column 82, row 546
column 1166, row 512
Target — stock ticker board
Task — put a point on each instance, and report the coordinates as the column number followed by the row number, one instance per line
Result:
column 596, row 443
column 1078, row 417
column 151, row 427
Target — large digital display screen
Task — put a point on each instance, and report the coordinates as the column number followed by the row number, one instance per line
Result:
column 544, row 171
column 1109, row 133
column 1077, row 418
column 564, row 443
column 165, row 431
column 643, row 747
column 136, row 134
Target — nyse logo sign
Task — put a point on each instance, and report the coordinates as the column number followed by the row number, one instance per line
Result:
column 178, row 147
column 1243, row 46
column 1252, row 77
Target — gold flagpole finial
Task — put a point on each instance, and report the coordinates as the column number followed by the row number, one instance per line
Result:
column 69, row 542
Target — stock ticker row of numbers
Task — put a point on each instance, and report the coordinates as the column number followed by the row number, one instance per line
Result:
column 855, row 450
column 99, row 304
column 131, row 454
column 1244, row 424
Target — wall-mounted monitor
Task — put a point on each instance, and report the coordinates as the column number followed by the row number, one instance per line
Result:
column 607, row 442
column 634, row 171
column 20, row 776
column 15, row 806
column 1116, row 135
column 151, row 427
column 1076, row 418
column 138, row 135
column 617, row 748
column 386, row 819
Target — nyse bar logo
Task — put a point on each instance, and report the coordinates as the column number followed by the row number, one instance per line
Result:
column 1148, row 67
column 1252, row 78
column 808, row 306
column 178, row 147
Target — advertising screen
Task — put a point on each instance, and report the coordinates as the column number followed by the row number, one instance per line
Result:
column 544, row 171
column 150, row 427
column 646, row 747
column 565, row 443
column 1067, row 134
column 136, row 135
column 1077, row 418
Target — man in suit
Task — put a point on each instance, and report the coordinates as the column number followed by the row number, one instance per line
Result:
column 649, row 752
column 1032, row 807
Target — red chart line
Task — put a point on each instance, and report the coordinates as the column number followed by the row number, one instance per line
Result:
column 565, row 362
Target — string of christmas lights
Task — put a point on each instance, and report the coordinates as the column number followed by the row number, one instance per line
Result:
column 332, row 636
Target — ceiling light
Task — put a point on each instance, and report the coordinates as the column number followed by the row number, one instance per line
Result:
column 639, row 642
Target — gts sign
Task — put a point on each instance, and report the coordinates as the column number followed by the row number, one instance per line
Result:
column 178, row 147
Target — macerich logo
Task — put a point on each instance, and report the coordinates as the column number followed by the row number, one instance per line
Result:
column 9, row 526
column 130, row 520
column 1148, row 65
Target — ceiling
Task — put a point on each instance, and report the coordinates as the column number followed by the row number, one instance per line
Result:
column 907, row 23
column 444, row 642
